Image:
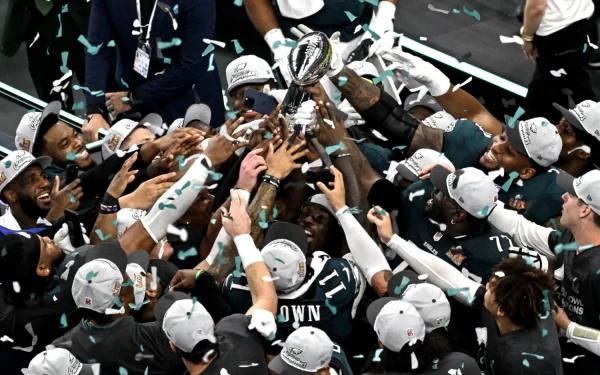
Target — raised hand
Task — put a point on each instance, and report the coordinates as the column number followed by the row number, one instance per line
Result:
column 236, row 220
column 336, row 196
column 383, row 222
column 283, row 161
column 148, row 192
column 251, row 167
column 220, row 149
column 66, row 199
column 122, row 178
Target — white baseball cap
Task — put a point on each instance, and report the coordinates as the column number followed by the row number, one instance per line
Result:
column 284, row 254
column 121, row 130
column 195, row 112
column 247, row 70
column 364, row 68
column 59, row 361
column 184, row 320
column 586, row 187
column 470, row 187
column 322, row 201
column 411, row 167
column 537, row 139
column 397, row 323
column 431, row 302
column 16, row 163
column 440, row 120
column 97, row 284
column 306, row 350
column 585, row 116
column 29, row 127
column 137, row 266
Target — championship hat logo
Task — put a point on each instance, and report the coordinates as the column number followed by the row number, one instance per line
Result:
column 116, row 288
column 240, row 66
column 295, row 351
column 410, row 332
column 439, row 322
column 114, row 141
column 25, row 144
column 2, row 177
column 301, row 269
column 138, row 281
column 88, row 301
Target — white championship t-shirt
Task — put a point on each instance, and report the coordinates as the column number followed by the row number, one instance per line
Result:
column 562, row 13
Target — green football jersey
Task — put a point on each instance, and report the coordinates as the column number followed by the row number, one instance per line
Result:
column 327, row 299
column 464, row 143
column 473, row 255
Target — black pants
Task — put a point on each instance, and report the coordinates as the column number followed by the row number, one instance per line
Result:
column 563, row 49
column 45, row 55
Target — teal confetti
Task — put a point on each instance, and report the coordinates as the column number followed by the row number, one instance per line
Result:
column 585, row 247
column 209, row 48
column 162, row 206
column 585, row 46
column 213, row 221
column 544, row 316
column 350, row 16
column 374, row 2
column 287, row 43
column 337, row 96
column 237, row 3
column 77, row 87
column 125, row 99
column 509, row 182
column 525, row 363
column 48, row 51
column 189, row 315
column 127, row 283
column 146, row 370
column 211, row 59
column 181, row 162
column 78, row 105
column 220, row 256
column 198, row 187
column 52, row 292
column 331, row 307
column 63, row 321
column 511, row 121
column 191, row 252
column 377, row 354
column 167, row 60
column 381, row 212
column 142, row 348
column 268, row 135
column 102, row 236
column 92, row 50
column 97, row 93
column 563, row 247
column 172, row 43
column 65, row 8
column 114, row 223
column 546, row 300
column 111, row 43
column 216, row 176
column 122, row 371
column 59, row 34
column 398, row 147
column 275, row 212
column 263, row 219
column 355, row 210
column 238, row 46
column 124, row 83
column 92, row 339
column 72, row 156
column 454, row 291
column 434, row 366
column 231, row 114
column 280, row 318
column 331, row 149
column 398, row 289
column 238, row 264
column 533, row 355
column 279, row 260
column 474, row 13
column 117, row 302
column 455, row 11
column 64, row 57
column 359, row 356
column 271, row 336
column 136, row 306
column 342, row 81
column 185, row 186
column 484, row 211
column 375, row 36
column 176, row 9
column 72, row 198
column 544, row 123
column 386, row 73
column 558, row 232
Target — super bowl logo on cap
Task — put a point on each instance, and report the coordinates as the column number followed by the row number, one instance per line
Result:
column 410, row 332
column 301, row 269
column 2, row 177
column 116, row 288
column 439, row 322
column 88, row 301
column 138, row 281
column 114, row 141
column 25, row 144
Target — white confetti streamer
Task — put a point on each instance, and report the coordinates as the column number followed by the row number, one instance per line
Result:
column 462, row 84
column 65, row 76
column 37, row 36
column 215, row 42
column 558, row 73
column 182, row 233
column 419, row 193
column 434, row 9
column 306, row 166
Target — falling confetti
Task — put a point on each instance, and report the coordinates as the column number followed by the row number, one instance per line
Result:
column 63, row 321
column 412, row 195
column 377, row 354
column 211, row 67
column 220, row 255
column 342, row 81
column 59, row 34
column 558, row 73
column 511, row 121
column 102, row 236
column 434, row 9
column 238, row 263
column 92, row 50
column 454, row 291
column 510, row 180
column 191, row 252
column 474, row 13
column 238, row 47
column 375, row 36
column 287, row 43
column 381, row 212
column 209, row 48
column 331, row 149
column 331, row 307
column 237, row 3
column 403, row 283
column 174, row 42
column 462, row 84
column 386, row 73
column 350, row 16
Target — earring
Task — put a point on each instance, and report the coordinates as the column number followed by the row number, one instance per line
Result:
column 452, row 222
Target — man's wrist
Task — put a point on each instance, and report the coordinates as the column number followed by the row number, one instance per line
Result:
column 125, row 201
column 526, row 37
column 272, row 36
column 273, row 173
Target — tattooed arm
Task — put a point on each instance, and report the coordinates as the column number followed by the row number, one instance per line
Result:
column 426, row 137
column 360, row 93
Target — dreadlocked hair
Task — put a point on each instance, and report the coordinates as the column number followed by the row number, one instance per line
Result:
column 521, row 291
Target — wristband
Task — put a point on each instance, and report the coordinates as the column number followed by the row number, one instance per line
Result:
column 198, row 274
column 109, row 205
column 247, row 250
column 272, row 36
column 271, row 180
column 526, row 38
column 341, row 156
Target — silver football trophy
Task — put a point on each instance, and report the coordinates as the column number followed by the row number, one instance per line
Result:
column 308, row 62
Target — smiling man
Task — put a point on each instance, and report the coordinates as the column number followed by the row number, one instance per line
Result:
column 25, row 188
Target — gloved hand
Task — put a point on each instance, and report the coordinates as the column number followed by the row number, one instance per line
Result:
column 276, row 40
column 421, row 71
column 531, row 256
column 264, row 323
column 381, row 24
column 279, row 95
column 353, row 118
column 63, row 241
column 306, row 114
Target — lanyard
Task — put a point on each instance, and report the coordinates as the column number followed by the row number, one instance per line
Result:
column 139, row 14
